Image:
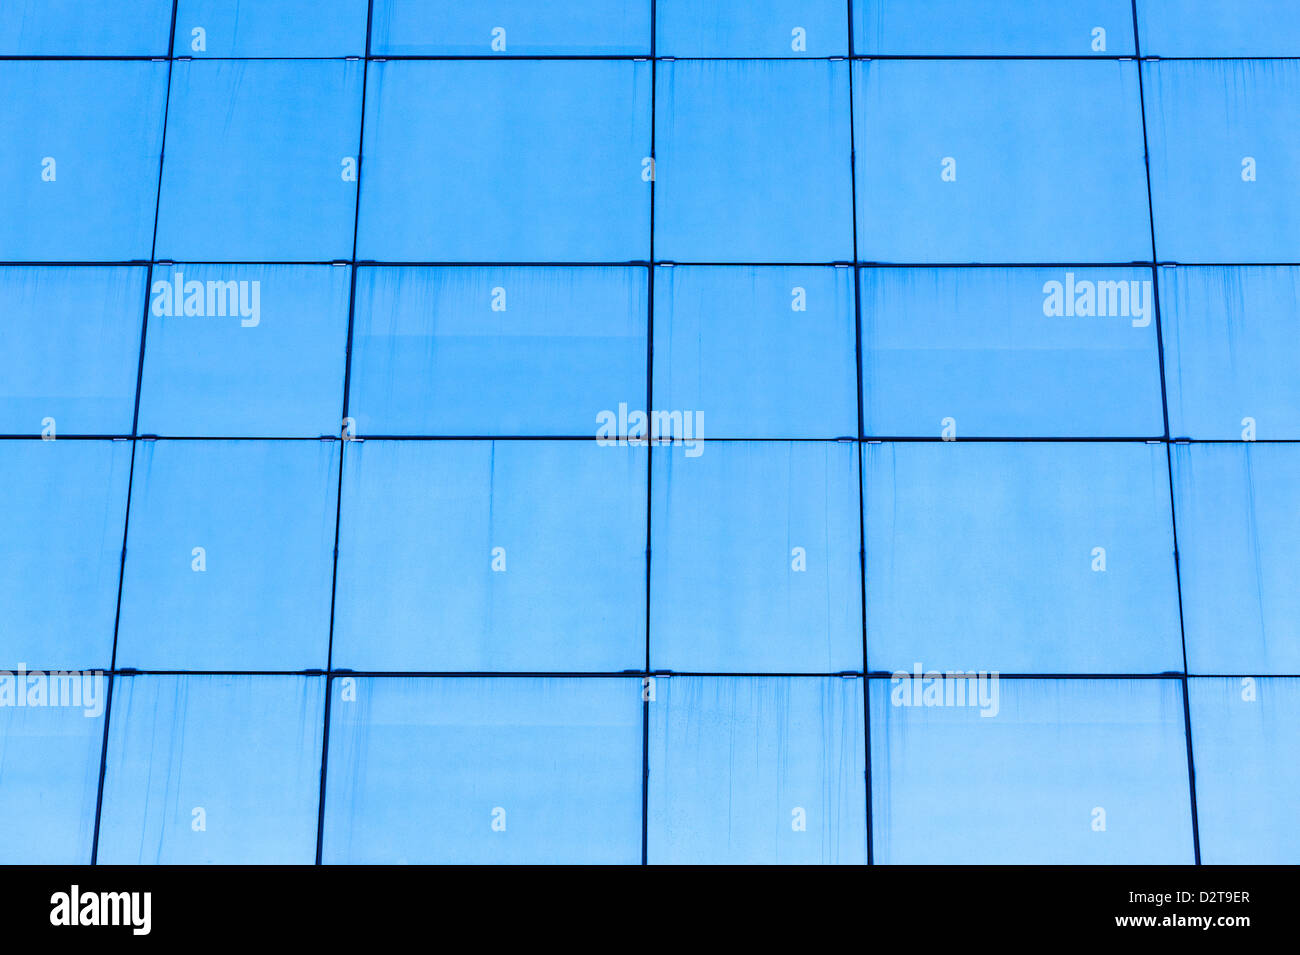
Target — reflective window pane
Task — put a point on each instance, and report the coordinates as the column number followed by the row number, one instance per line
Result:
column 1232, row 347
column 761, row 352
column 992, row 28
column 1059, row 771
column 747, row 770
column 496, row 351
column 511, row 28
column 1239, row 546
column 218, row 28
column 61, row 550
column 258, row 155
column 752, row 162
column 1022, row 558
column 1245, row 733
column 491, row 555
column 213, row 770
column 467, row 161
column 999, row 161
column 79, row 159
column 751, row 28
column 229, row 555
column 1223, row 159
column 1060, row 352
column 515, row 770
column 49, row 775
column 754, row 558
column 245, row 351
column 73, row 343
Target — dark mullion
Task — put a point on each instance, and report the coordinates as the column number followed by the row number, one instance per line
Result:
column 869, row 439
column 639, row 263
column 624, row 57
column 343, row 448
column 638, row 674
column 130, row 481
column 857, row 454
column 1169, row 461
column 649, row 463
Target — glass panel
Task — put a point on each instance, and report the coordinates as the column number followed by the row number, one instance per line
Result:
column 1060, row 352
column 84, row 28
column 755, row 558
column 511, row 27
column 496, row 351
column 1062, row 771
column 49, row 767
column 79, row 159
column 761, row 352
column 514, row 770
column 270, row 28
column 1239, row 546
column 797, row 28
column 746, row 771
column 61, row 550
column 1218, row 27
column 258, row 155
column 1245, row 734
column 753, row 162
column 213, row 770
column 229, row 555
column 245, row 350
column 993, row 28
column 1232, row 347
column 1224, row 159
column 468, row 161
column 72, row 348
column 1023, row 558
column 506, row 555
column 987, row 161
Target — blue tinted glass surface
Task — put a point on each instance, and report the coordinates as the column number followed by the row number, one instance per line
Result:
column 49, row 778
column 756, row 770
column 213, row 769
column 536, row 551
column 60, row 550
column 496, row 351
column 73, row 341
column 79, row 159
column 257, row 154
column 257, row 594
column 1024, row 558
column 245, row 350
column 549, row 241
column 752, row 162
column 514, row 770
column 1239, row 546
column 270, row 28
column 510, row 28
column 762, row 352
column 1000, row 161
column 754, row 558
column 84, row 28
column 992, row 27
column 1223, row 159
column 1219, row 27
column 1024, row 786
column 813, row 28
column 471, row 161
column 1232, row 350
column 1245, row 733
column 1059, row 352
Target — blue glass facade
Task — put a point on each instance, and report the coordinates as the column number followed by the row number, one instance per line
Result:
column 623, row 431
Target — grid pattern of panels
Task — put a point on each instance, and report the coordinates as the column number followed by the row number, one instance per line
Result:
column 336, row 332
